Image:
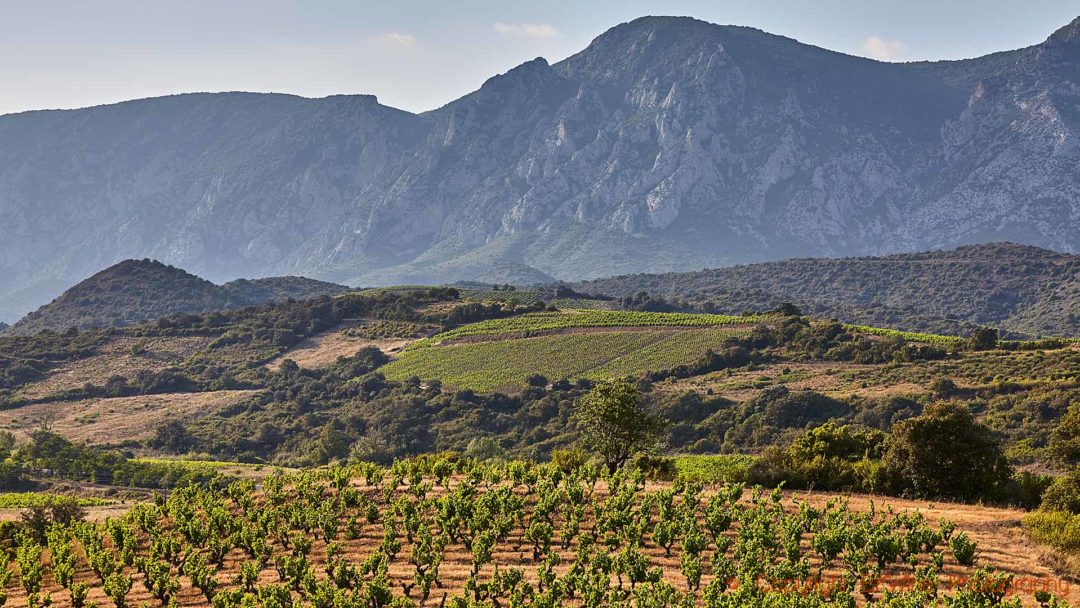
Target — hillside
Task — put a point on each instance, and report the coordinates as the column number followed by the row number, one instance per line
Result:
column 1023, row 290
column 667, row 144
column 133, row 291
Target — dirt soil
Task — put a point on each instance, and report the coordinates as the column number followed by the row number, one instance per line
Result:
column 325, row 348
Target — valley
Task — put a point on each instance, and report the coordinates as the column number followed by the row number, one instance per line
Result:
column 462, row 394
column 690, row 316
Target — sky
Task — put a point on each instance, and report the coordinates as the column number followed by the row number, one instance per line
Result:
column 420, row 54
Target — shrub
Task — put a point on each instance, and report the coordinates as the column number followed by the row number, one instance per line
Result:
column 1063, row 494
column 569, row 459
column 945, row 453
column 656, row 467
column 943, row 387
column 1055, row 528
column 963, row 548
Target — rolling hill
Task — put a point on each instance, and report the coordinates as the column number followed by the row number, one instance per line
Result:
column 144, row 290
column 668, row 144
column 1025, row 291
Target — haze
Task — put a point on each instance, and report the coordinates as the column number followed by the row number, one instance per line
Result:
column 418, row 55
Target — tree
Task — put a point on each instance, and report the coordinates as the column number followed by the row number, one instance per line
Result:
column 945, row 453
column 943, row 387
column 789, row 310
column 537, row 380
column 1064, row 444
column 983, row 338
column 172, row 436
column 614, row 422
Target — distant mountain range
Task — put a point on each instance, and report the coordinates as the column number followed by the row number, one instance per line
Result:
column 1022, row 290
column 142, row 290
column 667, row 144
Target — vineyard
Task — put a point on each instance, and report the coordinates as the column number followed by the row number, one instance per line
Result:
column 507, row 364
column 449, row 532
column 910, row 336
column 23, row 500
column 528, row 324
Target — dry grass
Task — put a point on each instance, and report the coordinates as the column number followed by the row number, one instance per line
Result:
column 325, row 348
column 123, row 356
column 836, row 379
column 117, row 419
column 94, row 514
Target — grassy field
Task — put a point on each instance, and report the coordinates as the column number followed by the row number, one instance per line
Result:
column 505, row 364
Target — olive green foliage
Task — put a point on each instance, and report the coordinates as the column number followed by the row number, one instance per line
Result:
column 1059, row 529
column 1064, row 446
column 51, row 454
column 1064, row 493
column 945, row 453
column 943, row 292
column 614, row 423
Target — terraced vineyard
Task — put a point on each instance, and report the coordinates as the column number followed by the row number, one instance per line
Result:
column 595, row 344
column 910, row 336
column 533, row 323
column 506, row 364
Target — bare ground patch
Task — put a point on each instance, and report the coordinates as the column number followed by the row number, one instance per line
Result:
column 833, row 378
column 116, row 419
column 325, row 348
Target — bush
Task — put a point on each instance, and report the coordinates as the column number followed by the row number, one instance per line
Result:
column 829, row 457
column 963, row 548
column 1063, row 494
column 717, row 468
column 656, row 467
column 568, row 460
column 12, row 475
column 944, row 388
column 1055, row 528
column 945, row 453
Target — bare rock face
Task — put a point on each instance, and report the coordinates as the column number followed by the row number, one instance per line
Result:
column 667, row 144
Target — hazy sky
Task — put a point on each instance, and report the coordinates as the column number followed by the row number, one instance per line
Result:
column 418, row 55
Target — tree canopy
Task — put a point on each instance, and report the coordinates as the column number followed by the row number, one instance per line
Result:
column 615, row 423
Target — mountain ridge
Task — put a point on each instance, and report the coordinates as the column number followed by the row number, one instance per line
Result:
column 1025, row 291
column 133, row 291
column 666, row 144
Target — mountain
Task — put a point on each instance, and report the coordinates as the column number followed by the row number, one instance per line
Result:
column 1023, row 290
column 667, row 144
column 140, row 290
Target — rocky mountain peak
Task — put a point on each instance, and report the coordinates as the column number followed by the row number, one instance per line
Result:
column 531, row 74
column 1067, row 34
column 668, row 143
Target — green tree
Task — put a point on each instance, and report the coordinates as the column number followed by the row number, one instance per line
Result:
column 983, row 338
column 615, row 423
column 945, row 453
column 1064, row 444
